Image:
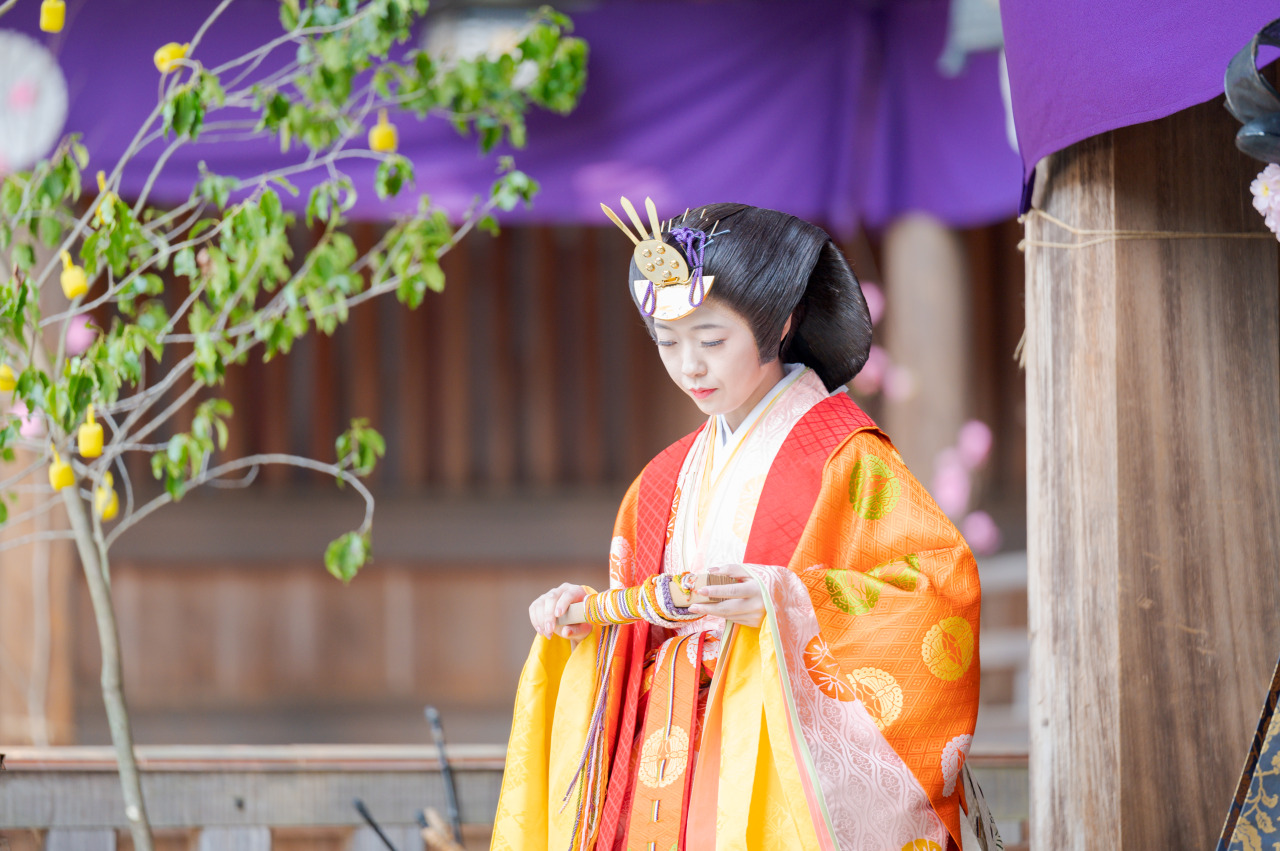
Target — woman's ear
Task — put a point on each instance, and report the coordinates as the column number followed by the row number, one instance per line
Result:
column 786, row 335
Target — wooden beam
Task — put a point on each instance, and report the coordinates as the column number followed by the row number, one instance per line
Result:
column 229, row 789
column 1153, row 393
column 235, row 788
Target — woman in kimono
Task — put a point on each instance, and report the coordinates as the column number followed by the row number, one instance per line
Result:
column 825, row 698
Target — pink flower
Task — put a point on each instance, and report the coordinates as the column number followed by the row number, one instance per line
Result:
column 869, row 379
column 951, row 483
column 875, row 301
column 1266, row 196
column 29, row 425
column 899, row 383
column 80, row 335
column 974, row 443
column 981, row 532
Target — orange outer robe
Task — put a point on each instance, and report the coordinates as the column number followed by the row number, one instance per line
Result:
column 842, row 722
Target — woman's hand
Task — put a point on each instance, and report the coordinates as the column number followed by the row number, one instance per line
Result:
column 741, row 602
column 545, row 610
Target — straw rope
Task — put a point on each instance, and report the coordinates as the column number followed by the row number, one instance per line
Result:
column 1098, row 237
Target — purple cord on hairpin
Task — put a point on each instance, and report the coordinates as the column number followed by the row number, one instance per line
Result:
column 693, row 241
column 650, row 301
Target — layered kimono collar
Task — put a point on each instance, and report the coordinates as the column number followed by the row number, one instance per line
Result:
column 729, row 437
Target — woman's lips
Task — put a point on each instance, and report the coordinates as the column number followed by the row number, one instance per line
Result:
column 700, row 393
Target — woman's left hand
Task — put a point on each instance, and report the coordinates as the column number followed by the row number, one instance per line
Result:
column 741, row 602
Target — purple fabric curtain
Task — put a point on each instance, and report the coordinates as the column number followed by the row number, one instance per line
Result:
column 1082, row 67
column 821, row 108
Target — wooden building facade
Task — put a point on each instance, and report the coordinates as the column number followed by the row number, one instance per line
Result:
column 517, row 406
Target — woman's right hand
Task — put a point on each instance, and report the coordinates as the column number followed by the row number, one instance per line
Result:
column 545, row 610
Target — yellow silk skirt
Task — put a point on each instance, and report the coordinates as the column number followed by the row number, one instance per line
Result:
column 748, row 790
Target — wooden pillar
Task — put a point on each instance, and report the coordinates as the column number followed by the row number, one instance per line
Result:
column 1153, row 429
column 926, row 325
column 37, row 634
column 36, row 696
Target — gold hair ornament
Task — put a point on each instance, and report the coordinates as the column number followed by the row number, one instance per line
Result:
column 673, row 286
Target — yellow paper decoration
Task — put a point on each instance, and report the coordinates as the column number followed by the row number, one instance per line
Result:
column 383, row 137
column 105, row 198
column 74, row 282
column 106, row 503
column 90, row 437
column 53, row 15
column 60, row 473
column 166, row 57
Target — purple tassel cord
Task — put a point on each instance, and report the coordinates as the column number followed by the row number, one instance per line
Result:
column 591, row 789
column 650, row 301
column 693, row 241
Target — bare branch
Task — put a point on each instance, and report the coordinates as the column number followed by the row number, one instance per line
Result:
column 208, row 22
column 33, row 512
column 26, row 471
column 250, row 462
column 51, row 535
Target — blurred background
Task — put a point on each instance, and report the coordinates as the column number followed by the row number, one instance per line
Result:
column 519, row 404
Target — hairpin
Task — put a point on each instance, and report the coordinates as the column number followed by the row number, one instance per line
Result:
column 663, row 268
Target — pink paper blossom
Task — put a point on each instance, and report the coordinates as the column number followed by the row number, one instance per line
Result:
column 974, row 443
column 29, row 425
column 951, row 483
column 869, row 379
column 80, row 335
column 981, row 532
column 875, row 301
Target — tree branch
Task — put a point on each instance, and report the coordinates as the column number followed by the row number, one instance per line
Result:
column 249, row 462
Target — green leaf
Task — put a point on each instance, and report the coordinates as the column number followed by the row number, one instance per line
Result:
column 289, row 14
column 184, row 262
column 49, row 230
column 10, row 196
column 80, row 154
column 433, row 275
column 359, row 448
column 346, row 555
column 215, row 188
column 512, row 188
column 183, row 112
column 24, row 256
column 392, row 174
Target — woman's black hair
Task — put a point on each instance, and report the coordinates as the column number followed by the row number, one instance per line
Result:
column 771, row 266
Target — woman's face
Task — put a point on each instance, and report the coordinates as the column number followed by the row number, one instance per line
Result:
column 711, row 355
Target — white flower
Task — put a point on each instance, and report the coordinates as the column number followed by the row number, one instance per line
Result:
column 1266, row 196
column 953, row 757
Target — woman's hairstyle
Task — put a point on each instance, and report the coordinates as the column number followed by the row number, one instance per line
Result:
column 769, row 266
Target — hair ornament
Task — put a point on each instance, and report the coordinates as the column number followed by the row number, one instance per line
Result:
column 673, row 285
